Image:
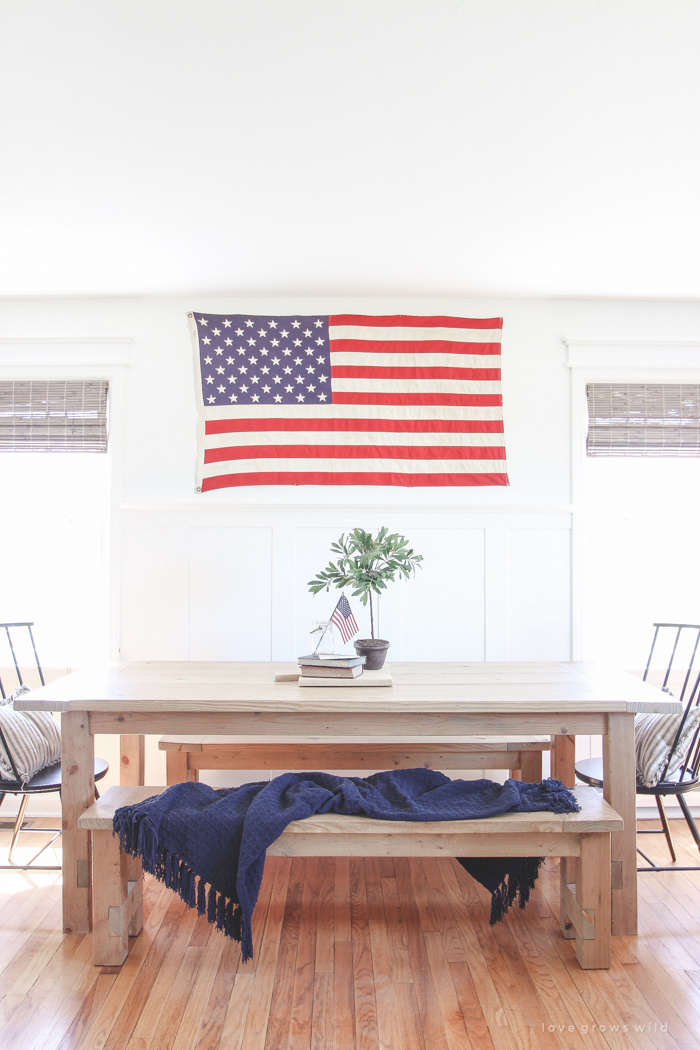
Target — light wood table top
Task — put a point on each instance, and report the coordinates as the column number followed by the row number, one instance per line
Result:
column 152, row 686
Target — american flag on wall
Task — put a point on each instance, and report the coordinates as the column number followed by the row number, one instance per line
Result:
column 348, row 399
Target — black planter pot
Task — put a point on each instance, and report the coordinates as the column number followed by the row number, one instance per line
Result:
column 374, row 650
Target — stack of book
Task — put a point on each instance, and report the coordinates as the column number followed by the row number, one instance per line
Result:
column 333, row 667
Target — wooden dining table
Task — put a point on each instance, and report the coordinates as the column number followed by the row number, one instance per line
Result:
column 437, row 700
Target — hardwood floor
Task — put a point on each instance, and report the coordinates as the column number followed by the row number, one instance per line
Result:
column 368, row 954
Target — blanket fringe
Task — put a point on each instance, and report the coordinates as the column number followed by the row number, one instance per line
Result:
column 221, row 911
column 514, row 886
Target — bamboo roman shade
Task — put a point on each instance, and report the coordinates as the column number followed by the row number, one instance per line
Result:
column 53, row 415
column 643, row 419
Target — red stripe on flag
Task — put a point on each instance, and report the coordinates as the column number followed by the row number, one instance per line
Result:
column 374, row 372
column 394, row 346
column 416, row 399
column 403, row 321
column 397, row 426
column 333, row 478
column 412, row 452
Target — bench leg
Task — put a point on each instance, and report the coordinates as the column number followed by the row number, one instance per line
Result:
column 134, row 874
column 568, row 876
column 586, row 905
column 117, row 900
column 176, row 767
column 531, row 766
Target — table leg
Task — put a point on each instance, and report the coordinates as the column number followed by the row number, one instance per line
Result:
column 77, row 794
column 132, row 760
column 619, row 791
column 563, row 758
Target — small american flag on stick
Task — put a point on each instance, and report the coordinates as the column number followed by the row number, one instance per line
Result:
column 344, row 620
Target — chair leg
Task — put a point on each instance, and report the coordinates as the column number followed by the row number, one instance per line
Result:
column 18, row 825
column 665, row 825
column 689, row 819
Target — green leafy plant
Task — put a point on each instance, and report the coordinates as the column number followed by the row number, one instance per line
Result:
column 367, row 563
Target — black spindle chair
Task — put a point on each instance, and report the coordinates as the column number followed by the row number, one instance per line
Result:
column 43, row 782
column 687, row 777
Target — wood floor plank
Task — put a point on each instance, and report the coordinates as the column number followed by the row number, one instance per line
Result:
column 161, row 927
column 78, row 1004
column 149, row 1022
column 424, row 987
column 452, row 1020
column 343, row 996
column 178, row 997
column 258, row 1011
column 409, row 1029
column 460, row 895
column 30, row 963
column 235, row 1024
column 216, row 1010
column 116, row 1008
column 383, row 985
column 304, row 972
column 323, row 1014
column 89, row 1009
column 342, row 898
column 473, row 1015
column 280, row 1015
column 190, row 1026
column 20, row 926
column 325, row 932
column 35, row 1011
column 398, row 945
column 366, row 1032
column 513, row 999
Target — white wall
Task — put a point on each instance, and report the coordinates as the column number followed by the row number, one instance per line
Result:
column 222, row 574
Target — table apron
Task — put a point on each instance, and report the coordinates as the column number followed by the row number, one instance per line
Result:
column 379, row 724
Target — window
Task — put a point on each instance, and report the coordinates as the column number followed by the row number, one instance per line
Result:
column 53, row 415
column 643, row 419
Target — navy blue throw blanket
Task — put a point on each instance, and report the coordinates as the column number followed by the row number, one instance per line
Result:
column 220, row 837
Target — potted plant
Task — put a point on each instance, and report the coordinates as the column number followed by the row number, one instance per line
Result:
column 368, row 563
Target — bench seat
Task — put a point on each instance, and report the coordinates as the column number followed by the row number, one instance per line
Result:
column 186, row 755
column 584, row 836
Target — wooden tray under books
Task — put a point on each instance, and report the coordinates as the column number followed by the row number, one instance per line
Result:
column 367, row 678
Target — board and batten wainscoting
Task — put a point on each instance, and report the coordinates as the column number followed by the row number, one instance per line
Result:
column 229, row 583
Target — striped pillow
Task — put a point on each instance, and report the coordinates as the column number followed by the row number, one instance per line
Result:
column 33, row 738
column 654, row 736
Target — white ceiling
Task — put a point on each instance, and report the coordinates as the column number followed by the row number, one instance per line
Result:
column 389, row 147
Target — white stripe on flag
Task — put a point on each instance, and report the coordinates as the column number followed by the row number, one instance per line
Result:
column 351, row 437
column 355, row 466
column 301, row 411
column 416, row 386
column 395, row 334
column 349, row 357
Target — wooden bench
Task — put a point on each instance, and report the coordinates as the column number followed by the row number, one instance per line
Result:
column 186, row 755
column 585, row 891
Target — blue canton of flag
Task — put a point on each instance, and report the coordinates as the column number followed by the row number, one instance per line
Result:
column 253, row 360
